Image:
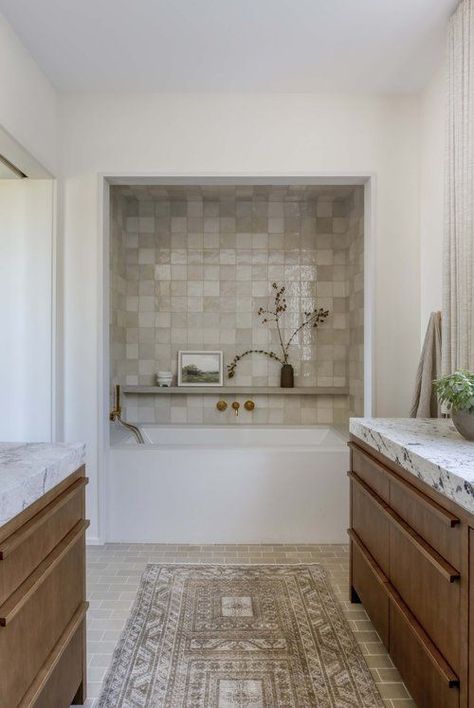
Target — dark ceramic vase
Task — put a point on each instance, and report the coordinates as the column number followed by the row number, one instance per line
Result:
column 464, row 423
column 287, row 379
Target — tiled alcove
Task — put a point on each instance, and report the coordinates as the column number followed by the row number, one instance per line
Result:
column 190, row 266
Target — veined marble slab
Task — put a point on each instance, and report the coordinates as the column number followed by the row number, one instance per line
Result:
column 29, row 470
column 430, row 449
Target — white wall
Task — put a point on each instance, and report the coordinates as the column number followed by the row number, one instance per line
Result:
column 432, row 147
column 26, row 208
column 28, row 137
column 28, row 104
column 247, row 135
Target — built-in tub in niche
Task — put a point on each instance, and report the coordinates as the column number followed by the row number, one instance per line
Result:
column 228, row 484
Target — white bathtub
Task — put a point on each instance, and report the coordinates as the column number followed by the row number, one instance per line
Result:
column 229, row 484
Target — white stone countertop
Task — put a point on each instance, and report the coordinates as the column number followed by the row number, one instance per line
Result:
column 430, row 449
column 29, row 470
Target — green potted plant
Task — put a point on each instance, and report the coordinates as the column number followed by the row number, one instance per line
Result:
column 457, row 392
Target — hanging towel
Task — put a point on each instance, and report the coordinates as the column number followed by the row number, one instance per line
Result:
column 425, row 403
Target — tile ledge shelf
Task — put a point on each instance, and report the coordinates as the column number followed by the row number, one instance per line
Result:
column 250, row 390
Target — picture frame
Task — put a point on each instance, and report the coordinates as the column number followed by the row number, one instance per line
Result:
column 200, row 368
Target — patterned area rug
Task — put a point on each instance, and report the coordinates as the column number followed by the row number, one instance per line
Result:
column 215, row 636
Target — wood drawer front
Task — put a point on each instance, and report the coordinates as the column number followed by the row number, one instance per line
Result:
column 61, row 675
column 422, row 579
column 57, row 691
column 441, row 529
column 370, row 472
column 429, row 679
column 370, row 584
column 33, row 619
column 369, row 522
column 20, row 554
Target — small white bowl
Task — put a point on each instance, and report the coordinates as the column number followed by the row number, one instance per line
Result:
column 164, row 378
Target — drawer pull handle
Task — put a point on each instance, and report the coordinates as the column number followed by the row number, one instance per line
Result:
column 34, row 691
column 443, row 567
column 436, row 658
column 377, row 571
column 27, row 589
column 442, row 514
column 437, row 561
column 32, row 526
column 378, row 501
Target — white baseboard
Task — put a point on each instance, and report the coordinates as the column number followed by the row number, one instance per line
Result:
column 93, row 541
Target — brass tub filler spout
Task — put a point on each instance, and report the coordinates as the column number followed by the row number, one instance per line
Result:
column 116, row 417
column 236, row 406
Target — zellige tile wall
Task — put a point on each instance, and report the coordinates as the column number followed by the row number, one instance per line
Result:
column 197, row 263
column 355, row 302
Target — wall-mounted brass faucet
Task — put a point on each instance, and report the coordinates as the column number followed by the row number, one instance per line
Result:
column 248, row 405
column 116, row 411
column 115, row 416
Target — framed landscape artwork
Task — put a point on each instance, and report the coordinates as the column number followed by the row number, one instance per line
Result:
column 200, row 369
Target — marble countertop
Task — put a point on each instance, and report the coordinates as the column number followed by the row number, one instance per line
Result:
column 430, row 449
column 29, row 470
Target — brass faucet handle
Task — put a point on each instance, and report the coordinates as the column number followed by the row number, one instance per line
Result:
column 249, row 405
column 236, row 406
column 221, row 405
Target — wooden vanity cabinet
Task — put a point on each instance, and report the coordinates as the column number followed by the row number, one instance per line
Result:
column 412, row 566
column 42, row 600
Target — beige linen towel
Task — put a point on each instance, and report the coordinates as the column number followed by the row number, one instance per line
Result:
column 425, row 404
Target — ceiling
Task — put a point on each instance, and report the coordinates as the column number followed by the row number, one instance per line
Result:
column 364, row 46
